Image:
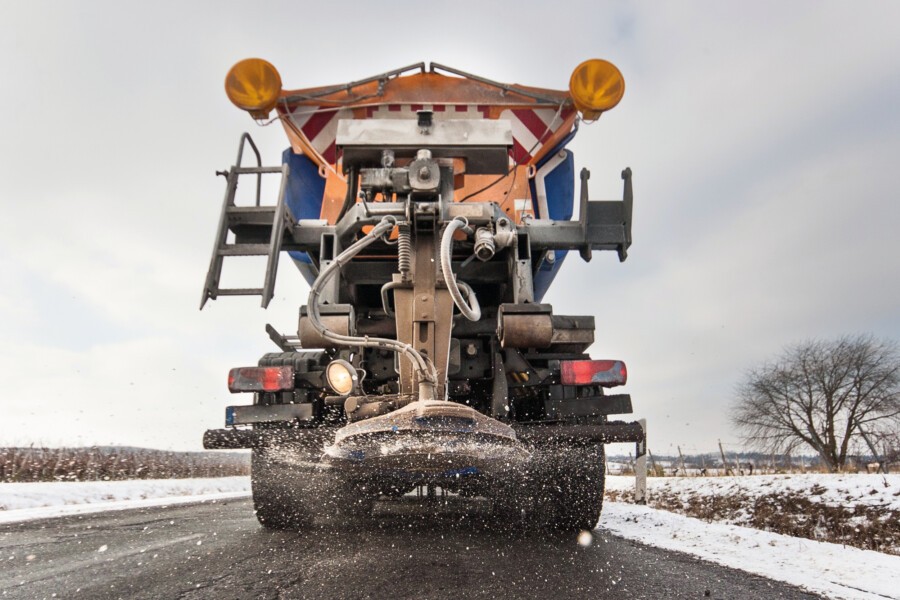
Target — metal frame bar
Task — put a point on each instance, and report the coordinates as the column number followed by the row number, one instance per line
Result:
column 601, row 225
column 283, row 220
column 349, row 86
column 432, row 68
column 503, row 86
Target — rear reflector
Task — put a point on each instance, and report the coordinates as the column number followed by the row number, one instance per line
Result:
column 608, row 373
column 261, row 379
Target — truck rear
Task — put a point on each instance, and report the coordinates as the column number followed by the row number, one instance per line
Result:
column 429, row 210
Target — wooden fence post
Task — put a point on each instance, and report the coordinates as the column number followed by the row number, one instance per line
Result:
column 724, row 463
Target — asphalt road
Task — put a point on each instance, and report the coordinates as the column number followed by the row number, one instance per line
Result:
column 407, row 550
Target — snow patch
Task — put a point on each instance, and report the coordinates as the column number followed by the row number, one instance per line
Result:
column 41, row 500
column 836, row 571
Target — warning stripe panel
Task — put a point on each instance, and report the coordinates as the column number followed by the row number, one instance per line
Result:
column 530, row 127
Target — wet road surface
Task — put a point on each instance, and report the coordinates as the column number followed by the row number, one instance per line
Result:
column 409, row 549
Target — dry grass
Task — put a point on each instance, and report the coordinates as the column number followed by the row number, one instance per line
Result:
column 107, row 464
column 866, row 527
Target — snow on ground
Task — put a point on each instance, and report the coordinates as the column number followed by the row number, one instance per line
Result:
column 833, row 489
column 830, row 569
column 40, row 500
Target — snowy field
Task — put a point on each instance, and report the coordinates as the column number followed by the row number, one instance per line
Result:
column 846, row 490
column 40, row 500
column 860, row 510
column 815, row 505
column 833, row 570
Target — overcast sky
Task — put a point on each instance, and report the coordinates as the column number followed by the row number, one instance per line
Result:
column 764, row 140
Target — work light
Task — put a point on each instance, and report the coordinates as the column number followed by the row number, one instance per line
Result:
column 341, row 377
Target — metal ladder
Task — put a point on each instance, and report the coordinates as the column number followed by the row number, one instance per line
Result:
column 258, row 230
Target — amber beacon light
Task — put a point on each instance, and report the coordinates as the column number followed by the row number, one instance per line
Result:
column 253, row 85
column 596, row 86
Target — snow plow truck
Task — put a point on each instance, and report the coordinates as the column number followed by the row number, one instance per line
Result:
column 429, row 210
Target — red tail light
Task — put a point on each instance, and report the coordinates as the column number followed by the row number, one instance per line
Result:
column 608, row 373
column 261, row 379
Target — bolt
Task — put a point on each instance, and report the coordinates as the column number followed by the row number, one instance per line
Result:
column 471, row 350
column 425, row 173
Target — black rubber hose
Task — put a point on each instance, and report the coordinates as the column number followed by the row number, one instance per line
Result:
column 350, row 198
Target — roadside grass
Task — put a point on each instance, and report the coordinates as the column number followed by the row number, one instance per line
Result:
column 25, row 464
column 786, row 512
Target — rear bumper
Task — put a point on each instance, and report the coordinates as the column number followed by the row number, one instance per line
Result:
column 612, row 432
column 231, row 439
column 257, row 413
column 535, row 435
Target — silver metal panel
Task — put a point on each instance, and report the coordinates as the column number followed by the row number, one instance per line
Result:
column 386, row 133
column 483, row 143
column 480, row 211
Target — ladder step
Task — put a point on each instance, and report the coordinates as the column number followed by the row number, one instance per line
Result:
column 244, row 250
column 250, row 215
column 251, row 209
column 239, row 292
column 255, row 170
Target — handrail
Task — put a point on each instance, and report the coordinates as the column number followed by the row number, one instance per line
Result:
column 245, row 137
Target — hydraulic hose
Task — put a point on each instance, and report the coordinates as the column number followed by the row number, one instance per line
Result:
column 421, row 365
column 470, row 309
column 350, row 198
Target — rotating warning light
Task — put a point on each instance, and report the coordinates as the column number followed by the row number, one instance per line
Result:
column 341, row 377
column 596, row 86
column 253, row 85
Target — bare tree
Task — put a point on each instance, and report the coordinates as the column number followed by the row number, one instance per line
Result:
column 819, row 394
column 887, row 443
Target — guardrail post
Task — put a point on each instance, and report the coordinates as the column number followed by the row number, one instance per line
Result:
column 640, row 467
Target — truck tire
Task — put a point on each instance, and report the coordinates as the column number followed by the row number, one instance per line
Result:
column 575, row 488
column 277, row 492
column 291, row 492
column 562, row 489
